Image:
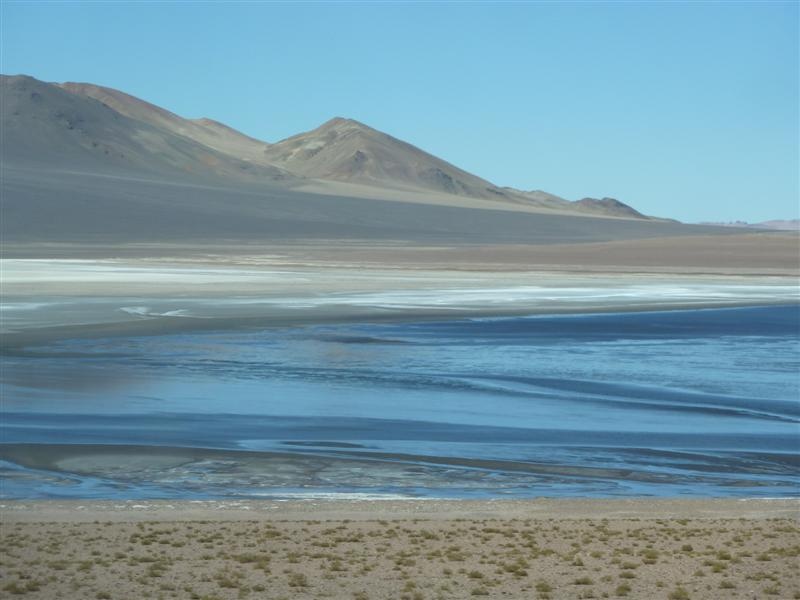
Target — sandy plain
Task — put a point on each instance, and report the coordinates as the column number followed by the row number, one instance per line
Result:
column 543, row 548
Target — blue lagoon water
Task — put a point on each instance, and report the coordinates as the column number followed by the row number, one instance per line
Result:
column 677, row 403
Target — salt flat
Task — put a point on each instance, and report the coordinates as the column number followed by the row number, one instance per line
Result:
column 163, row 294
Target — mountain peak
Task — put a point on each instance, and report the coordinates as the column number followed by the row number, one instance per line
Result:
column 343, row 124
column 342, row 121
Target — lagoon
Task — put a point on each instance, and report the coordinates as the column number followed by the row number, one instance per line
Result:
column 700, row 403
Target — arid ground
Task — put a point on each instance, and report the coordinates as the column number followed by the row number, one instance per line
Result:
column 670, row 549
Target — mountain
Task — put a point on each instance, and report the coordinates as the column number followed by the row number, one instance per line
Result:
column 349, row 151
column 45, row 124
column 87, row 126
column 346, row 150
column 84, row 163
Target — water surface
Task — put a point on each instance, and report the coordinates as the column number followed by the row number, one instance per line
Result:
column 691, row 402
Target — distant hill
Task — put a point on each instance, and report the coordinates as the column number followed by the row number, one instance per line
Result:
column 775, row 225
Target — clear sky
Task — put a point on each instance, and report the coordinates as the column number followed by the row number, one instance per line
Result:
column 682, row 109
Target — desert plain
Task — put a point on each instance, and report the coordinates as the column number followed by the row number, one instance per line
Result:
column 379, row 549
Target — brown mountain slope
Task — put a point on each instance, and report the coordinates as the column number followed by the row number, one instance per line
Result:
column 204, row 131
column 47, row 126
column 346, row 150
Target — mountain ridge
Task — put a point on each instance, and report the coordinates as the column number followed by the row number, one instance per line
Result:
column 131, row 132
column 46, row 124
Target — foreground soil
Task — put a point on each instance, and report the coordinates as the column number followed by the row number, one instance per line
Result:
column 420, row 550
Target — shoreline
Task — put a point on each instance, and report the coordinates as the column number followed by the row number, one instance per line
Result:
column 646, row 508
column 16, row 342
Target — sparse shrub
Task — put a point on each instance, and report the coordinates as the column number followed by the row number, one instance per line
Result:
column 679, row 594
column 298, row 580
column 544, row 587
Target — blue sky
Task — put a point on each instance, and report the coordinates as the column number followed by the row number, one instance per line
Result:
column 682, row 109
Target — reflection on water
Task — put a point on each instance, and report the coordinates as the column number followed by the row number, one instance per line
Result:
column 667, row 403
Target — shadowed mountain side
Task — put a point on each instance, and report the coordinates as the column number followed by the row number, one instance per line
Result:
column 44, row 125
column 73, row 206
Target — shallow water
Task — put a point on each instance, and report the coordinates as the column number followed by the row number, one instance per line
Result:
column 692, row 402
